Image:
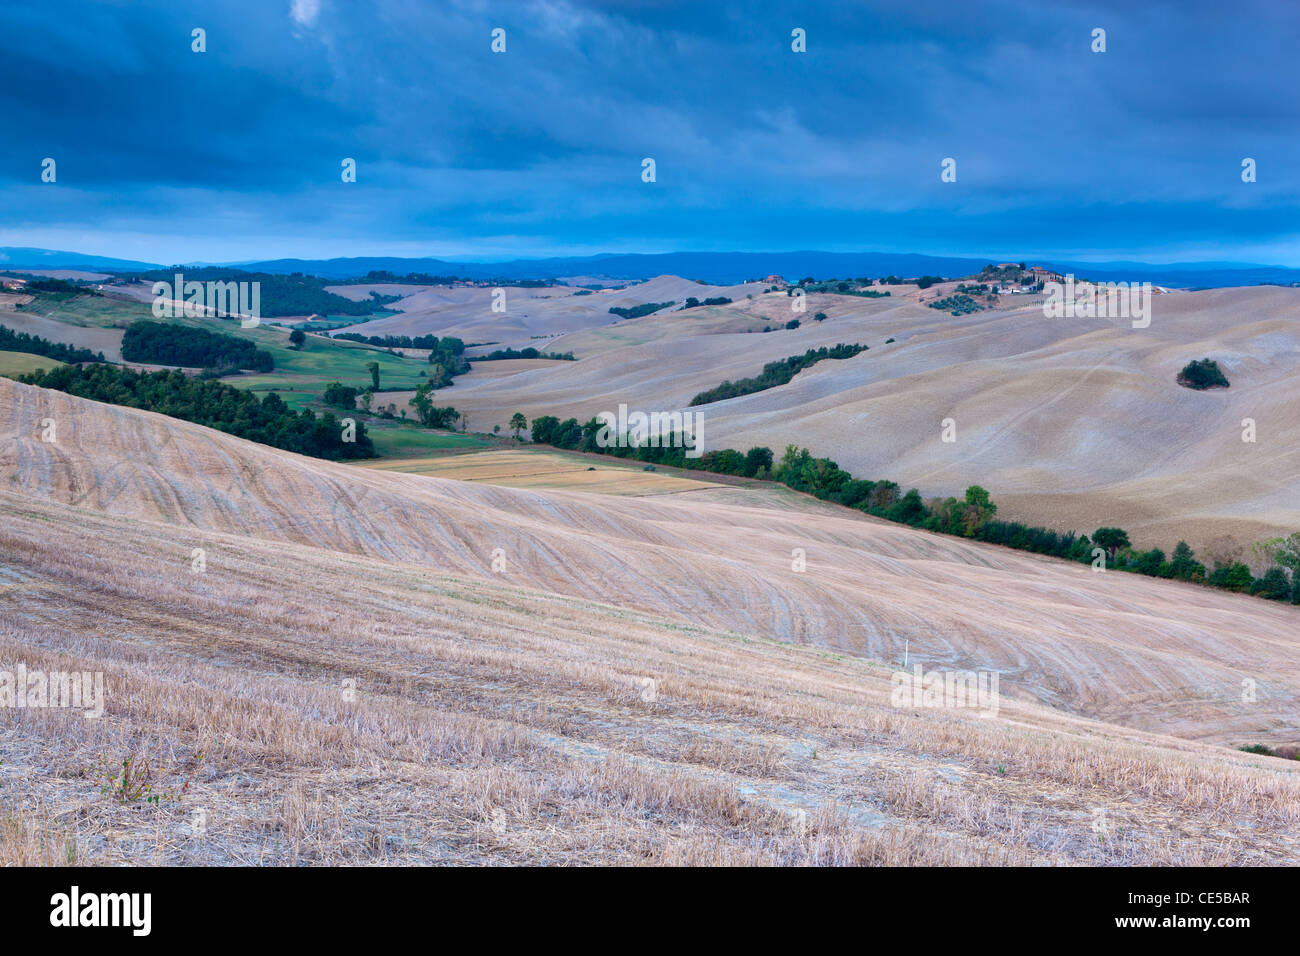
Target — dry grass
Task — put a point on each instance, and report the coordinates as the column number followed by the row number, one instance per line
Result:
column 545, row 470
column 1071, row 423
column 331, row 700
column 494, row 724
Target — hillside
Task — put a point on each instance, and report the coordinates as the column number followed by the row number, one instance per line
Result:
column 532, row 317
column 1053, row 629
column 1070, row 423
column 646, row 681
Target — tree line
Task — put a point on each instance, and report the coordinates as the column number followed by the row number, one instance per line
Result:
column 11, row 341
column 524, row 353
column 776, row 373
column 636, row 311
column 214, row 404
column 971, row 516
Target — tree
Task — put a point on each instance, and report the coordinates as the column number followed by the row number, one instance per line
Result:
column 910, row 509
column 1202, row 374
column 1284, row 552
column 544, row 429
column 758, row 460
column 1150, row 563
column 1184, row 565
column 1232, row 577
column 340, row 395
column 517, row 424
column 297, row 337
column 373, row 368
column 792, row 324
column 1274, row 585
column 1112, row 539
column 979, row 510
column 422, row 403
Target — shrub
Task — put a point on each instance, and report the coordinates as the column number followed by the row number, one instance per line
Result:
column 1202, row 374
column 340, row 395
column 1274, row 585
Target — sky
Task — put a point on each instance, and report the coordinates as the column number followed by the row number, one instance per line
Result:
column 169, row 155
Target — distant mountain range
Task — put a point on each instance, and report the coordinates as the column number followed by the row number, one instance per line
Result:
column 18, row 257
column 719, row 268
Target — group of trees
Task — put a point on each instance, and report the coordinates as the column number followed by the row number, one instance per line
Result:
column 961, row 304
column 340, row 395
column 971, row 516
column 776, row 373
column 428, row 414
column 44, row 284
column 11, row 341
column 447, row 343
column 166, row 343
column 446, row 361
column 838, row 287
column 524, row 353
column 1202, row 374
column 569, row 434
column 692, row 302
column 446, row 354
column 636, row 311
column 215, row 404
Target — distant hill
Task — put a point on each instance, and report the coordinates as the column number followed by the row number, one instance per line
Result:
column 730, row 268
column 718, row 268
column 20, row 257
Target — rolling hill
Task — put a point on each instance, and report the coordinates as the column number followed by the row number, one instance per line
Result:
column 348, row 679
column 1070, row 423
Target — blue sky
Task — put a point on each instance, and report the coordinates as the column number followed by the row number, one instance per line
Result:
column 169, row 155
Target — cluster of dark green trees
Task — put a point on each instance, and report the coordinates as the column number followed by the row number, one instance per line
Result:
column 838, row 287
column 340, row 395
column 446, row 354
column 293, row 294
column 636, row 311
column 430, row 415
column 448, row 343
column 956, row 304
column 525, row 353
column 971, row 516
column 57, row 285
column 692, row 302
column 166, row 343
column 11, row 341
column 214, row 404
column 776, row 373
column 1202, row 374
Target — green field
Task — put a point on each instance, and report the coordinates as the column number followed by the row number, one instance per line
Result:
column 87, row 311
column 401, row 440
column 300, row 375
column 13, row 364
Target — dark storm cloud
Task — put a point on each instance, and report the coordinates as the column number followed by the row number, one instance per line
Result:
column 1134, row 151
